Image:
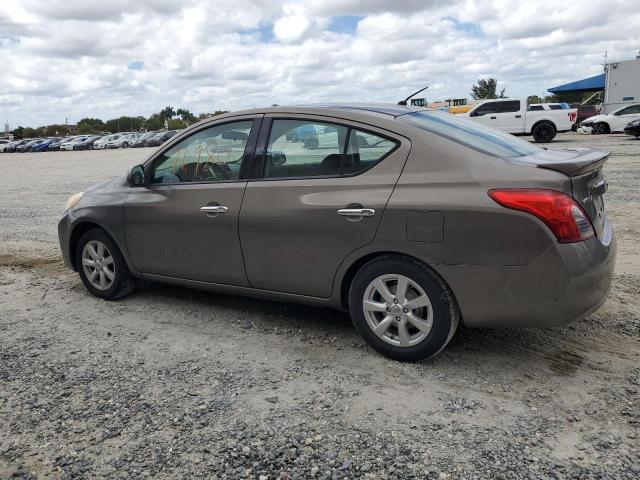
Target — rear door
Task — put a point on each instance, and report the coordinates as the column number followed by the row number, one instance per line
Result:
column 184, row 224
column 316, row 201
column 509, row 115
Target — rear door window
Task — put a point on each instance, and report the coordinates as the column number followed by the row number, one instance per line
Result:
column 509, row 106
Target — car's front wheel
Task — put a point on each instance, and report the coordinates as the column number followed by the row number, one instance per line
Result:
column 600, row 128
column 402, row 308
column 101, row 266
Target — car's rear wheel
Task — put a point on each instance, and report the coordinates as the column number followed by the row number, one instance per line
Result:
column 600, row 128
column 402, row 308
column 101, row 266
column 544, row 132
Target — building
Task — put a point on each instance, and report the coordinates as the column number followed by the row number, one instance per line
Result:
column 620, row 84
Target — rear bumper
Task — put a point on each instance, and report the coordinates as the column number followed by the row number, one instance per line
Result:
column 564, row 284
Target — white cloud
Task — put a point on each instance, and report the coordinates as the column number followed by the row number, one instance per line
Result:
column 72, row 58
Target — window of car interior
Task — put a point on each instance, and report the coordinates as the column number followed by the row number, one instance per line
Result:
column 306, row 148
column 534, row 108
column 485, row 108
column 509, row 106
column 211, row 155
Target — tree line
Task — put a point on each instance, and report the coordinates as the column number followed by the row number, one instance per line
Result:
column 173, row 119
column 487, row 89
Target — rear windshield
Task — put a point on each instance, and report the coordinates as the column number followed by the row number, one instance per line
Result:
column 467, row 132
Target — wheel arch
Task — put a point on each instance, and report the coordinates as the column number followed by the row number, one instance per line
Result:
column 543, row 121
column 78, row 230
column 357, row 264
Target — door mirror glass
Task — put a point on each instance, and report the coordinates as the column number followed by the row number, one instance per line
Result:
column 136, row 176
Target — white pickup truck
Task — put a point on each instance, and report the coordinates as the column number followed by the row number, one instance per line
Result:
column 512, row 116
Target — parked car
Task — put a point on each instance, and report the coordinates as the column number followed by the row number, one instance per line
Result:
column 122, row 141
column 102, row 142
column 10, row 148
column 26, row 147
column 4, row 144
column 43, row 146
column 611, row 122
column 511, row 116
column 73, row 143
column 437, row 218
column 633, row 128
column 160, row 138
column 141, row 139
column 584, row 112
column 55, row 145
column 87, row 143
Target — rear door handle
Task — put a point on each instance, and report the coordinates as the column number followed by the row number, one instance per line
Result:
column 492, row 118
column 213, row 210
column 518, row 116
column 355, row 214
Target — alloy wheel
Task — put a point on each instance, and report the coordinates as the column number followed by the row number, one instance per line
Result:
column 98, row 265
column 398, row 310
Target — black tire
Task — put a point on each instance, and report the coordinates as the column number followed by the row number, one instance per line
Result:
column 600, row 128
column 444, row 306
column 123, row 284
column 125, row 145
column 544, row 132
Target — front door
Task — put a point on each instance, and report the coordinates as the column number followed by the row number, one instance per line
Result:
column 319, row 200
column 486, row 114
column 623, row 117
column 184, row 224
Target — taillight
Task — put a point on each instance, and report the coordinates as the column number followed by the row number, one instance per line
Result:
column 561, row 213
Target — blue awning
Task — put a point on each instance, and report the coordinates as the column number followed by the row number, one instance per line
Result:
column 584, row 85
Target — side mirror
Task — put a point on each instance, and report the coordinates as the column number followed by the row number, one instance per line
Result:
column 136, row 176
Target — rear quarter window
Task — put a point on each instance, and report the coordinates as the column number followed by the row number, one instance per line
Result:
column 471, row 134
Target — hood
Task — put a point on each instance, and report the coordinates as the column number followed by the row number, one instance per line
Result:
column 596, row 118
column 112, row 184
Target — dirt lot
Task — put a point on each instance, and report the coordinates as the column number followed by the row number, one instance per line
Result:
column 180, row 383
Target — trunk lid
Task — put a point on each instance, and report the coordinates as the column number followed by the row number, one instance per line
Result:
column 583, row 166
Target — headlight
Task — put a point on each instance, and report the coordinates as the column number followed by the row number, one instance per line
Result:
column 73, row 201
column 586, row 123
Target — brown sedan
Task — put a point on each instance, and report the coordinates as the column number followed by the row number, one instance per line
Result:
column 413, row 220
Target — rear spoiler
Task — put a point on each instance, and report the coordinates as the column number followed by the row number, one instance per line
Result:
column 585, row 161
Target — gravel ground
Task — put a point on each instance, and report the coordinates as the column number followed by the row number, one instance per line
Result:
column 178, row 383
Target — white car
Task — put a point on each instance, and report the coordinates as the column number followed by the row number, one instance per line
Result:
column 102, row 143
column 122, row 141
column 511, row 115
column 3, row 144
column 611, row 122
column 69, row 144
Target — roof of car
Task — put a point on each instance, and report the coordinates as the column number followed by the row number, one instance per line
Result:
column 387, row 109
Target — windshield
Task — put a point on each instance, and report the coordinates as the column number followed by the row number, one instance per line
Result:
column 471, row 134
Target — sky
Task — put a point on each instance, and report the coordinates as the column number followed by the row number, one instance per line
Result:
column 69, row 59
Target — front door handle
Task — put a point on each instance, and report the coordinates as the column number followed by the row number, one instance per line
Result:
column 518, row 116
column 356, row 214
column 213, row 210
column 492, row 118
